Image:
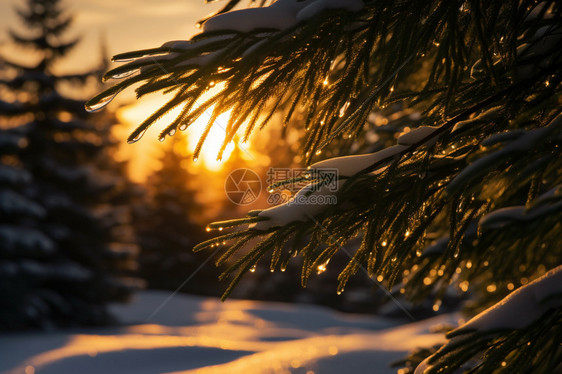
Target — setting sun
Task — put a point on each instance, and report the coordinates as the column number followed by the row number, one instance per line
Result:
column 213, row 141
column 132, row 115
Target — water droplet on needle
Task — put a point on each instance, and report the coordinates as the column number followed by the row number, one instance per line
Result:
column 137, row 138
column 101, row 103
column 124, row 74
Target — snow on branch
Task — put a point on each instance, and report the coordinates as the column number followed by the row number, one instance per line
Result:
column 508, row 320
column 309, row 202
column 520, row 308
column 280, row 15
column 523, row 143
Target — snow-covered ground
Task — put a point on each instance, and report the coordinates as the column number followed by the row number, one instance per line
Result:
column 202, row 335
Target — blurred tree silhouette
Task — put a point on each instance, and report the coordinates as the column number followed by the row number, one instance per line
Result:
column 66, row 244
column 166, row 229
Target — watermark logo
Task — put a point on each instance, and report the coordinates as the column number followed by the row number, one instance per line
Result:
column 284, row 197
column 242, row 186
column 301, row 177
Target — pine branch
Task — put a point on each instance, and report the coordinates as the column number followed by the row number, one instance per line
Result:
column 191, row 67
column 470, row 193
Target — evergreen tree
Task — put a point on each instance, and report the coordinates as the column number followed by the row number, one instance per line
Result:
column 468, row 199
column 22, row 242
column 62, row 250
column 167, row 231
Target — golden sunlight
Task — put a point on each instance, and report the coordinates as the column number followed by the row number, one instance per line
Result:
column 213, row 142
column 143, row 153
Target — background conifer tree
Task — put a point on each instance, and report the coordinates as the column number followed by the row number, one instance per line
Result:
column 64, row 253
column 167, row 229
column 466, row 199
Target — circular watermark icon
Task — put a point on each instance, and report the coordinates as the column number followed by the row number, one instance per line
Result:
column 242, row 186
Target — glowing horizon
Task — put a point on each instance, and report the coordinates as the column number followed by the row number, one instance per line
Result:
column 133, row 114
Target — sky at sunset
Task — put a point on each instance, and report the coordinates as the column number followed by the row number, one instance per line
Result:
column 125, row 25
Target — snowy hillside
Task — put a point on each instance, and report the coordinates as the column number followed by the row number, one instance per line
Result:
column 202, row 335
